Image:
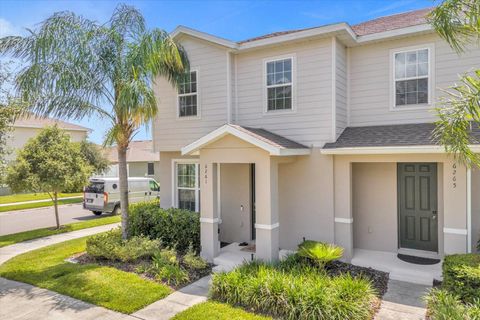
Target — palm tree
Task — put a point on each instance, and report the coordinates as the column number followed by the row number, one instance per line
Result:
column 458, row 23
column 76, row 67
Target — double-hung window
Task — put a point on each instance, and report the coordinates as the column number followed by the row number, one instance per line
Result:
column 188, row 95
column 187, row 186
column 279, row 83
column 412, row 77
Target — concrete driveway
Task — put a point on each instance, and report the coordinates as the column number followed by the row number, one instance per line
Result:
column 29, row 219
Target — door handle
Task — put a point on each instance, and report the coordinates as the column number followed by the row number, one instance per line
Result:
column 434, row 212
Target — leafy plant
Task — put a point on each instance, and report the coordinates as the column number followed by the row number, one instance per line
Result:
column 194, row 261
column 321, row 253
column 165, row 256
column 443, row 305
column 294, row 290
column 111, row 246
column 174, row 227
column 461, row 276
column 172, row 274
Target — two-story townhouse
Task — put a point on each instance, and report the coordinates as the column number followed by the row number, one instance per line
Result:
column 324, row 134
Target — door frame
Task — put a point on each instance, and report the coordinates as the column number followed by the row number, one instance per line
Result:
column 253, row 234
column 411, row 251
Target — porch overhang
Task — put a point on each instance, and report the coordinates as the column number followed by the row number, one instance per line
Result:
column 274, row 144
column 391, row 150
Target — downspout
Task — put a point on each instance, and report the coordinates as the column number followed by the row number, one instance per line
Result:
column 469, row 210
column 229, row 88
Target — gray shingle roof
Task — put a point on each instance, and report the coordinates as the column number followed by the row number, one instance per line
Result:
column 270, row 137
column 391, row 136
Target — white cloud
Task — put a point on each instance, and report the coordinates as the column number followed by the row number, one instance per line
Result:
column 8, row 29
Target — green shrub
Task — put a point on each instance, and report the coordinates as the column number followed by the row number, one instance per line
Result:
column 165, row 256
column 443, row 305
column 461, row 276
column 172, row 274
column 321, row 253
column 109, row 245
column 294, row 290
column 192, row 261
column 174, row 227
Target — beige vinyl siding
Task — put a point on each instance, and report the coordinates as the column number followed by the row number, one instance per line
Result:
column 340, row 87
column 172, row 133
column 370, row 81
column 310, row 123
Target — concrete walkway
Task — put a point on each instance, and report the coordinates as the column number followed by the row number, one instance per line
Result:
column 403, row 300
column 36, row 201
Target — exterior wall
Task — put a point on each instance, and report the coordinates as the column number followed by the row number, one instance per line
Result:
column 311, row 123
column 475, row 208
column 235, row 195
column 165, row 177
column 140, row 169
column 370, row 81
column 306, row 200
column 451, row 200
column 171, row 133
column 341, row 120
column 20, row 136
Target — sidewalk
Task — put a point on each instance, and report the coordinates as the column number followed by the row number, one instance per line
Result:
column 36, row 201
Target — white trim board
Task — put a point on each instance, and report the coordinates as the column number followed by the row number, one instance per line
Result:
column 344, row 220
column 391, row 150
column 267, row 226
column 462, row 232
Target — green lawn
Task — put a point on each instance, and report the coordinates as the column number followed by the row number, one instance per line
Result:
column 104, row 286
column 33, row 196
column 217, row 311
column 38, row 205
column 38, row 233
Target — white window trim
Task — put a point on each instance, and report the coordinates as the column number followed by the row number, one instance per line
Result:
column 431, row 78
column 199, row 112
column 293, row 57
column 175, row 178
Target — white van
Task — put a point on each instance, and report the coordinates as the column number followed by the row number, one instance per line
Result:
column 103, row 194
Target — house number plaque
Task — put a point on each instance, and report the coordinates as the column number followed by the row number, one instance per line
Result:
column 205, row 171
column 454, row 175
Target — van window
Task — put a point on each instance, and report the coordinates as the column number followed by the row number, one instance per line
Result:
column 154, row 186
column 95, row 187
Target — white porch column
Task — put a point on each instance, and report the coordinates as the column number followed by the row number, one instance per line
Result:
column 209, row 211
column 343, row 206
column 455, row 228
column 267, row 223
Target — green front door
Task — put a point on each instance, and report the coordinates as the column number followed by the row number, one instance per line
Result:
column 417, row 206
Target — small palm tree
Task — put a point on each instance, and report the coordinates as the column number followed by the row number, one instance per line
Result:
column 77, row 67
column 319, row 252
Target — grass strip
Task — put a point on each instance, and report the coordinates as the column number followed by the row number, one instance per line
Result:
column 217, row 311
column 9, row 239
column 104, row 286
column 33, row 196
column 38, row 205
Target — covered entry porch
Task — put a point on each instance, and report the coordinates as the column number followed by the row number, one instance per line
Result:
column 237, row 151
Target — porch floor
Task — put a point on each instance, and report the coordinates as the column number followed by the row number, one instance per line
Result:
column 398, row 269
column 231, row 256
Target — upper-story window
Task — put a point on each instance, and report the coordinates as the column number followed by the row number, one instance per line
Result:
column 412, row 77
column 279, row 82
column 188, row 95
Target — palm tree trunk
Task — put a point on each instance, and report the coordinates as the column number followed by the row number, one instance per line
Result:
column 123, row 182
column 55, row 204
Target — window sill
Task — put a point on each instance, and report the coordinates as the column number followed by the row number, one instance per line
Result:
column 412, row 107
column 188, row 118
column 279, row 112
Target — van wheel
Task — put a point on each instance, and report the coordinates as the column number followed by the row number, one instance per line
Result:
column 97, row 213
column 116, row 210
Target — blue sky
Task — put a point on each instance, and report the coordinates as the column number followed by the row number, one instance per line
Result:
column 234, row 20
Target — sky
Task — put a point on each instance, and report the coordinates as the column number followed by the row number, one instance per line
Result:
column 233, row 20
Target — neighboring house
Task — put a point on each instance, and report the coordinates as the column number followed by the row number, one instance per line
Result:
column 141, row 160
column 323, row 134
column 28, row 127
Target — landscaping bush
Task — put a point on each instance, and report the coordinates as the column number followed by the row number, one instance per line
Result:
column 461, row 276
column 176, row 228
column 443, row 305
column 321, row 253
column 295, row 290
column 109, row 245
column 193, row 261
column 166, row 268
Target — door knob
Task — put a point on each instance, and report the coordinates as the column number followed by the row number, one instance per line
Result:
column 434, row 212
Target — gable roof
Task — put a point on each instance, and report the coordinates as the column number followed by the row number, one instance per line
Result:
column 391, row 136
column 31, row 121
column 273, row 143
column 138, row 151
column 387, row 24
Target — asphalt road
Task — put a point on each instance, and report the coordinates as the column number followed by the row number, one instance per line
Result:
column 29, row 219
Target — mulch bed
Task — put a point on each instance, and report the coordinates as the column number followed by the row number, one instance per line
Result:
column 139, row 265
column 379, row 279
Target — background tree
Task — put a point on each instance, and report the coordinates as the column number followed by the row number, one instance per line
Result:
column 50, row 163
column 94, row 156
column 458, row 22
column 77, row 67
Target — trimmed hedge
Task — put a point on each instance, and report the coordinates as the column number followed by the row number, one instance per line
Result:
column 461, row 276
column 175, row 228
column 295, row 290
